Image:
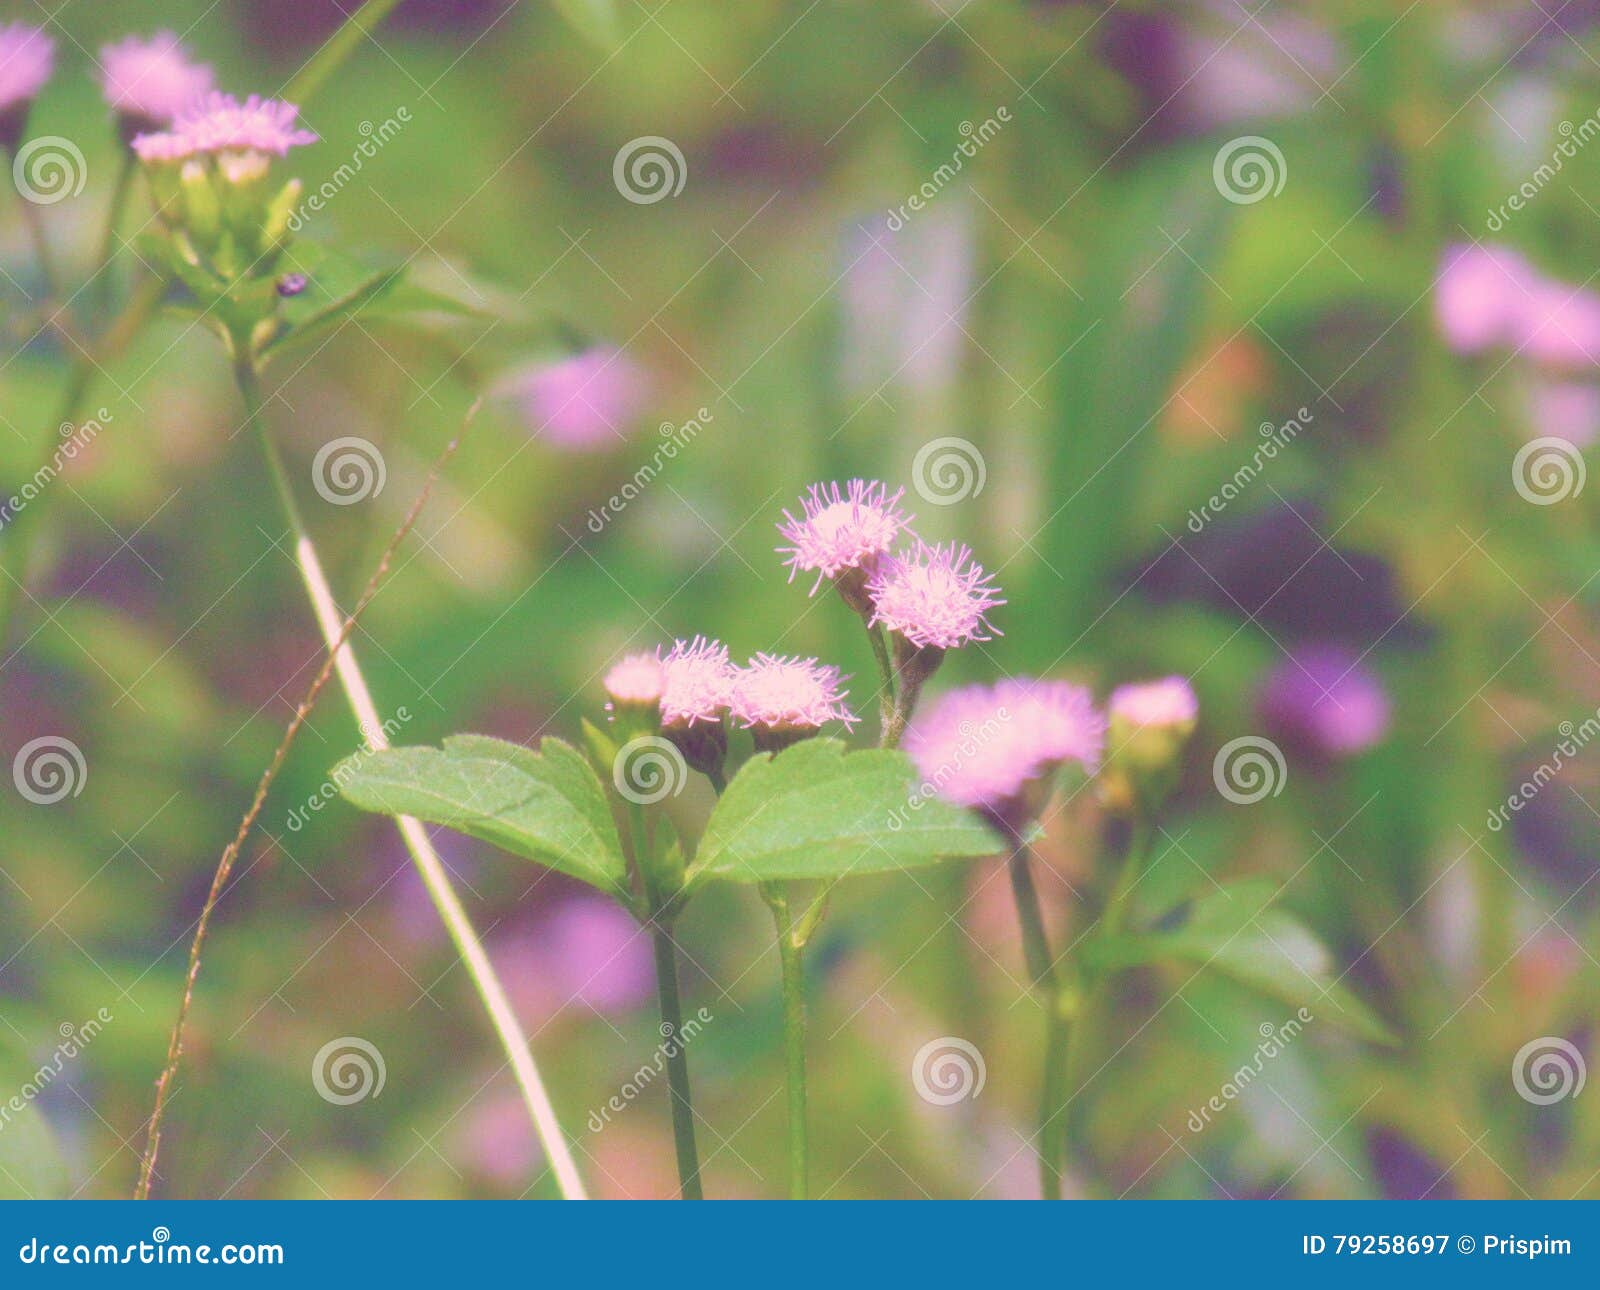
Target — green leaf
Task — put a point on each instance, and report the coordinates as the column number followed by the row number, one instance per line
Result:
column 818, row 811
column 595, row 20
column 31, row 1167
column 548, row 805
column 337, row 288
column 1237, row 932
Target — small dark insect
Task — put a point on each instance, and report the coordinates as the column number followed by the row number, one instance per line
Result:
column 291, row 284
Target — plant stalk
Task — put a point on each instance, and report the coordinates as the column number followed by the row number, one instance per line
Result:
column 677, row 1060
column 1059, row 1012
column 429, row 865
column 791, row 960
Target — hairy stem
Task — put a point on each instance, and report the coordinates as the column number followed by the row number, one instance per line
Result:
column 791, row 960
column 677, row 1059
column 429, row 865
column 230, row 853
column 1058, row 1024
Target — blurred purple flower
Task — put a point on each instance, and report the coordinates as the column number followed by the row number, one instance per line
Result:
column 1568, row 410
column 1322, row 700
column 597, row 955
column 27, row 57
column 1492, row 296
column 904, row 297
column 585, row 403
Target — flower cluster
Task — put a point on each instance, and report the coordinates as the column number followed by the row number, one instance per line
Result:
column 694, row 691
column 150, row 83
column 928, row 598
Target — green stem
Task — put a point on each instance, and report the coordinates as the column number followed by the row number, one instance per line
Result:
column 1116, row 911
column 677, row 1059
column 32, row 217
column 791, row 959
column 429, row 864
column 339, row 47
column 888, row 701
column 1058, row 1003
column 104, row 278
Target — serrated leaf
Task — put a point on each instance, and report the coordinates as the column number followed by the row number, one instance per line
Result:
column 1235, row 931
column 546, row 805
column 818, row 811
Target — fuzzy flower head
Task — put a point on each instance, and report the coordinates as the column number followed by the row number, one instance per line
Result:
column 1325, row 702
column 635, row 682
column 27, row 57
column 586, row 402
column 696, row 682
column 839, row 530
column 151, row 82
column 788, row 694
column 1168, row 703
column 986, row 746
column 936, row 597
column 240, row 135
column 1150, row 723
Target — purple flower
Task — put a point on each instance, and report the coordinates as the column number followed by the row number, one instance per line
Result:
column 636, row 681
column 841, row 530
column 982, row 746
column 788, row 694
column 583, row 403
column 27, row 58
column 934, row 596
column 1479, row 296
column 696, row 682
column 152, row 80
column 221, row 125
column 1169, row 702
column 1324, row 700
column 597, row 955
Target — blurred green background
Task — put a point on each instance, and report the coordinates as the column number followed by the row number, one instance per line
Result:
column 1104, row 326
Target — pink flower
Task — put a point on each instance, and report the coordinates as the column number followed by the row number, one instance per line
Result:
column 1325, row 701
column 1569, row 410
column 219, row 123
column 585, row 402
column 636, row 680
column 934, row 596
column 1559, row 325
column 1167, row 702
column 788, row 693
column 982, row 745
column 1479, row 296
column 696, row 682
column 842, row 530
column 27, row 57
column 152, row 80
